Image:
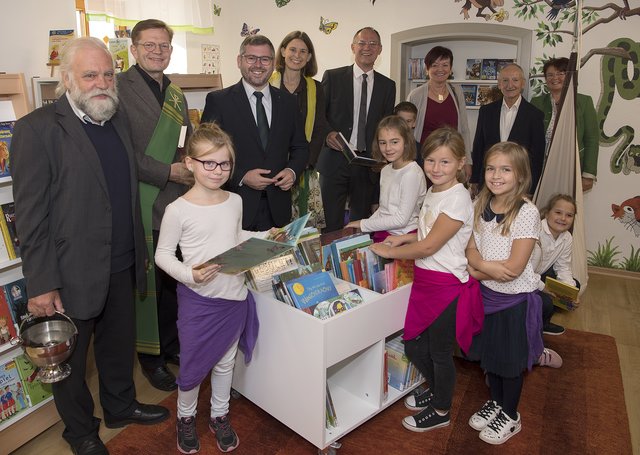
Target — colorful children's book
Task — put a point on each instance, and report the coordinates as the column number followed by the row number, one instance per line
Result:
column 470, row 94
column 352, row 156
column 6, row 133
column 290, row 233
column 16, row 294
column 484, row 95
column 35, row 390
column 474, row 66
column 7, row 329
column 9, row 212
column 309, row 290
column 502, row 62
column 339, row 304
column 260, row 276
column 13, row 399
column 489, row 69
column 57, row 40
column 565, row 295
column 246, row 255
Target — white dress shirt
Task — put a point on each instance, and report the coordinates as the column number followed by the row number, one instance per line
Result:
column 507, row 118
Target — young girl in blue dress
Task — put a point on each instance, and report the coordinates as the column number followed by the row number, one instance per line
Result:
column 444, row 304
column 506, row 227
column 216, row 313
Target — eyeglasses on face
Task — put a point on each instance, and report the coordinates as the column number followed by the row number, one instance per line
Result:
column 363, row 43
column 557, row 74
column 252, row 59
column 150, row 46
column 210, row 165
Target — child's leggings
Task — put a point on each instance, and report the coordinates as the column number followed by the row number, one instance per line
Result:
column 221, row 378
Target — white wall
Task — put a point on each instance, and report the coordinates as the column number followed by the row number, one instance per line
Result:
column 24, row 34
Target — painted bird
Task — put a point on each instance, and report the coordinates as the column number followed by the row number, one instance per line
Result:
column 556, row 6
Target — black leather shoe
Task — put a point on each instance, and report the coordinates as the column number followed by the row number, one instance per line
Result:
column 173, row 358
column 161, row 378
column 93, row 446
column 143, row 414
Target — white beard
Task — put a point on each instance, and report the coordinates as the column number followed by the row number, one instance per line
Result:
column 98, row 110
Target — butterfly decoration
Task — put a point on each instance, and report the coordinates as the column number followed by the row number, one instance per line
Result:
column 281, row 3
column 326, row 26
column 248, row 31
column 216, row 10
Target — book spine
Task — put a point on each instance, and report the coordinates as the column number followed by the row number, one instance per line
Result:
column 6, row 236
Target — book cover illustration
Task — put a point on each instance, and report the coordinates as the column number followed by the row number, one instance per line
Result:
column 470, row 94
column 6, row 133
column 35, row 390
column 564, row 295
column 339, row 304
column 309, row 290
column 260, row 276
column 290, row 233
column 119, row 48
column 12, row 397
column 57, row 39
column 474, row 66
column 485, row 94
column 246, row 255
column 489, row 69
column 7, row 329
column 16, row 295
column 502, row 62
column 9, row 211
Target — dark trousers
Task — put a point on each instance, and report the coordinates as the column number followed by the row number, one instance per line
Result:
column 114, row 346
column 432, row 354
column 352, row 181
column 167, row 302
column 263, row 220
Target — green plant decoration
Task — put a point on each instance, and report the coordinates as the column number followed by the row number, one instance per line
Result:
column 604, row 256
column 632, row 262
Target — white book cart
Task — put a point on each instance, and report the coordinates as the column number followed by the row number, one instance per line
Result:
column 296, row 355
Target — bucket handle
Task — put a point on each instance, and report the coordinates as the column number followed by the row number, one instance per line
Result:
column 32, row 317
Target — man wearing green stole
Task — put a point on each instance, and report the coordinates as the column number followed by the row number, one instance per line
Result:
column 157, row 111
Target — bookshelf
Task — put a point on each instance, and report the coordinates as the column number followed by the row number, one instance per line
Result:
column 296, row 355
column 32, row 421
column 466, row 41
column 44, row 90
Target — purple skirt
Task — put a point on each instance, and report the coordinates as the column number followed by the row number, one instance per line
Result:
column 207, row 328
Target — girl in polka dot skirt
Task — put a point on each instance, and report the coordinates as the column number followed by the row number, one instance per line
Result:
column 506, row 227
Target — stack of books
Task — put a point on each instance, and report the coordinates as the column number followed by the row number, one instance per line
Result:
column 401, row 374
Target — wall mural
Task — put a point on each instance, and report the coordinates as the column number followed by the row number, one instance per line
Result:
column 497, row 15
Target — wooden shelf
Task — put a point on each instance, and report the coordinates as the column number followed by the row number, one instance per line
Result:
column 197, row 82
column 28, row 425
column 13, row 87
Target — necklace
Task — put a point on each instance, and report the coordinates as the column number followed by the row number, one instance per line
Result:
column 440, row 94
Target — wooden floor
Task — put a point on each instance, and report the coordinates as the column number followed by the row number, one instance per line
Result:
column 611, row 306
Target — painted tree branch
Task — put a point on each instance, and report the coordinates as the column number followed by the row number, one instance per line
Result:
column 614, row 51
column 621, row 12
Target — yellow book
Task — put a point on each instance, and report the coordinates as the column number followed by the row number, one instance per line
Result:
column 6, row 236
column 565, row 296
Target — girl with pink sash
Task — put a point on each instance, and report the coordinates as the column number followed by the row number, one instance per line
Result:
column 444, row 304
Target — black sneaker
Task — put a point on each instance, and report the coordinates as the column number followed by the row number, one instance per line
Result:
column 187, row 436
column 227, row 438
column 417, row 402
column 552, row 329
column 427, row 419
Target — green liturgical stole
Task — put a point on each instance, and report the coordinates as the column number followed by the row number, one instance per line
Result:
column 162, row 147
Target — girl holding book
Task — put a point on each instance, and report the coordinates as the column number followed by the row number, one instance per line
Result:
column 552, row 255
column 506, row 227
column 444, row 304
column 216, row 313
column 402, row 182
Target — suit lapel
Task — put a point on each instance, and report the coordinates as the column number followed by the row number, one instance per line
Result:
column 141, row 91
column 521, row 117
column 72, row 125
column 241, row 101
column 348, row 82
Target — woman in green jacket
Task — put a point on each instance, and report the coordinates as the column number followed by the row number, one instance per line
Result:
column 586, row 118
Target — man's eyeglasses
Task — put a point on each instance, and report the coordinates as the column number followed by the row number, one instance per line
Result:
column 209, row 165
column 251, row 59
column 558, row 74
column 363, row 43
column 150, row 47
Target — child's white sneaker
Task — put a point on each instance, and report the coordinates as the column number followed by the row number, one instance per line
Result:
column 486, row 414
column 501, row 429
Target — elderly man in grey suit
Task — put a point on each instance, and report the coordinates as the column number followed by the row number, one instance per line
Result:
column 78, row 220
column 157, row 111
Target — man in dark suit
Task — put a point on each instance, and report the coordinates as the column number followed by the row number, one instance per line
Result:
column 268, row 135
column 356, row 117
column 79, row 223
column 158, row 139
column 510, row 119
